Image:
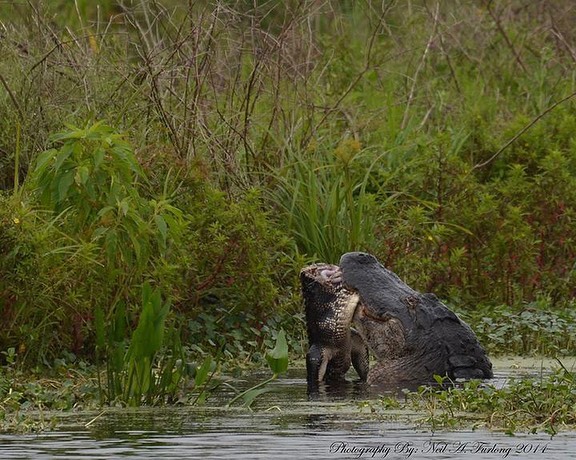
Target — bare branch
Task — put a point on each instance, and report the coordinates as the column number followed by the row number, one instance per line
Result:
column 419, row 68
column 500, row 28
column 522, row 131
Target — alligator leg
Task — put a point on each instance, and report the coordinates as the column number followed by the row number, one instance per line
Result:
column 315, row 365
column 360, row 356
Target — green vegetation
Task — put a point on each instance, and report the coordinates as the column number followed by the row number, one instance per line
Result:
column 277, row 361
column 528, row 330
column 167, row 167
column 530, row 404
column 132, row 376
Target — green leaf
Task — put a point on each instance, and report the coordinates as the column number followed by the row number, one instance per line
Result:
column 124, row 206
column 63, row 185
column 162, row 227
column 99, row 157
column 251, row 395
column 44, row 158
column 82, row 175
column 203, row 371
column 278, row 357
column 439, row 379
column 63, row 155
column 100, row 328
column 111, row 244
column 118, row 332
column 105, row 210
column 72, row 133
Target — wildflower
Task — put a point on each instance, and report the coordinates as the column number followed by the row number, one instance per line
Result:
column 16, row 220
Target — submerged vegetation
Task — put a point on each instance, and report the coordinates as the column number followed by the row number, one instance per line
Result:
column 167, row 167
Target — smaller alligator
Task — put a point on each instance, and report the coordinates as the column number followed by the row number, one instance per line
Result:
column 333, row 345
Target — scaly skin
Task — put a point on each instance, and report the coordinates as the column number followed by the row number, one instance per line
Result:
column 330, row 307
column 412, row 335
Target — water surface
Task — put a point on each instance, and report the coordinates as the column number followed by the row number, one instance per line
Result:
column 285, row 424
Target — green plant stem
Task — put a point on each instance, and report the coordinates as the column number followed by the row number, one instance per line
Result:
column 255, row 387
column 204, row 386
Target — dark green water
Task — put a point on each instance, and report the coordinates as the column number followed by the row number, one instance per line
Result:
column 284, row 425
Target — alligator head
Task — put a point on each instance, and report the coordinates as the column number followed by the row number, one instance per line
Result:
column 329, row 308
column 413, row 336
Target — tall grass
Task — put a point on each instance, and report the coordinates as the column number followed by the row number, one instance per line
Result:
column 260, row 127
column 326, row 203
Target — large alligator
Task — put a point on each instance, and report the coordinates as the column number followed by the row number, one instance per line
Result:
column 413, row 336
column 333, row 345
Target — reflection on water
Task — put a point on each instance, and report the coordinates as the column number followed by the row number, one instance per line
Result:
column 286, row 425
column 384, row 442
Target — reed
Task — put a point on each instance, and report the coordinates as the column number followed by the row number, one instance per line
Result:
column 326, row 204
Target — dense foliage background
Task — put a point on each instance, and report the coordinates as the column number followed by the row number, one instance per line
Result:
column 212, row 148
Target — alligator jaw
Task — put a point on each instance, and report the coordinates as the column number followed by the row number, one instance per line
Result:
column 362, row 311
column 413, row 335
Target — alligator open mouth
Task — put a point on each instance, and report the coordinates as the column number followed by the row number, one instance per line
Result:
column 325, row 274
